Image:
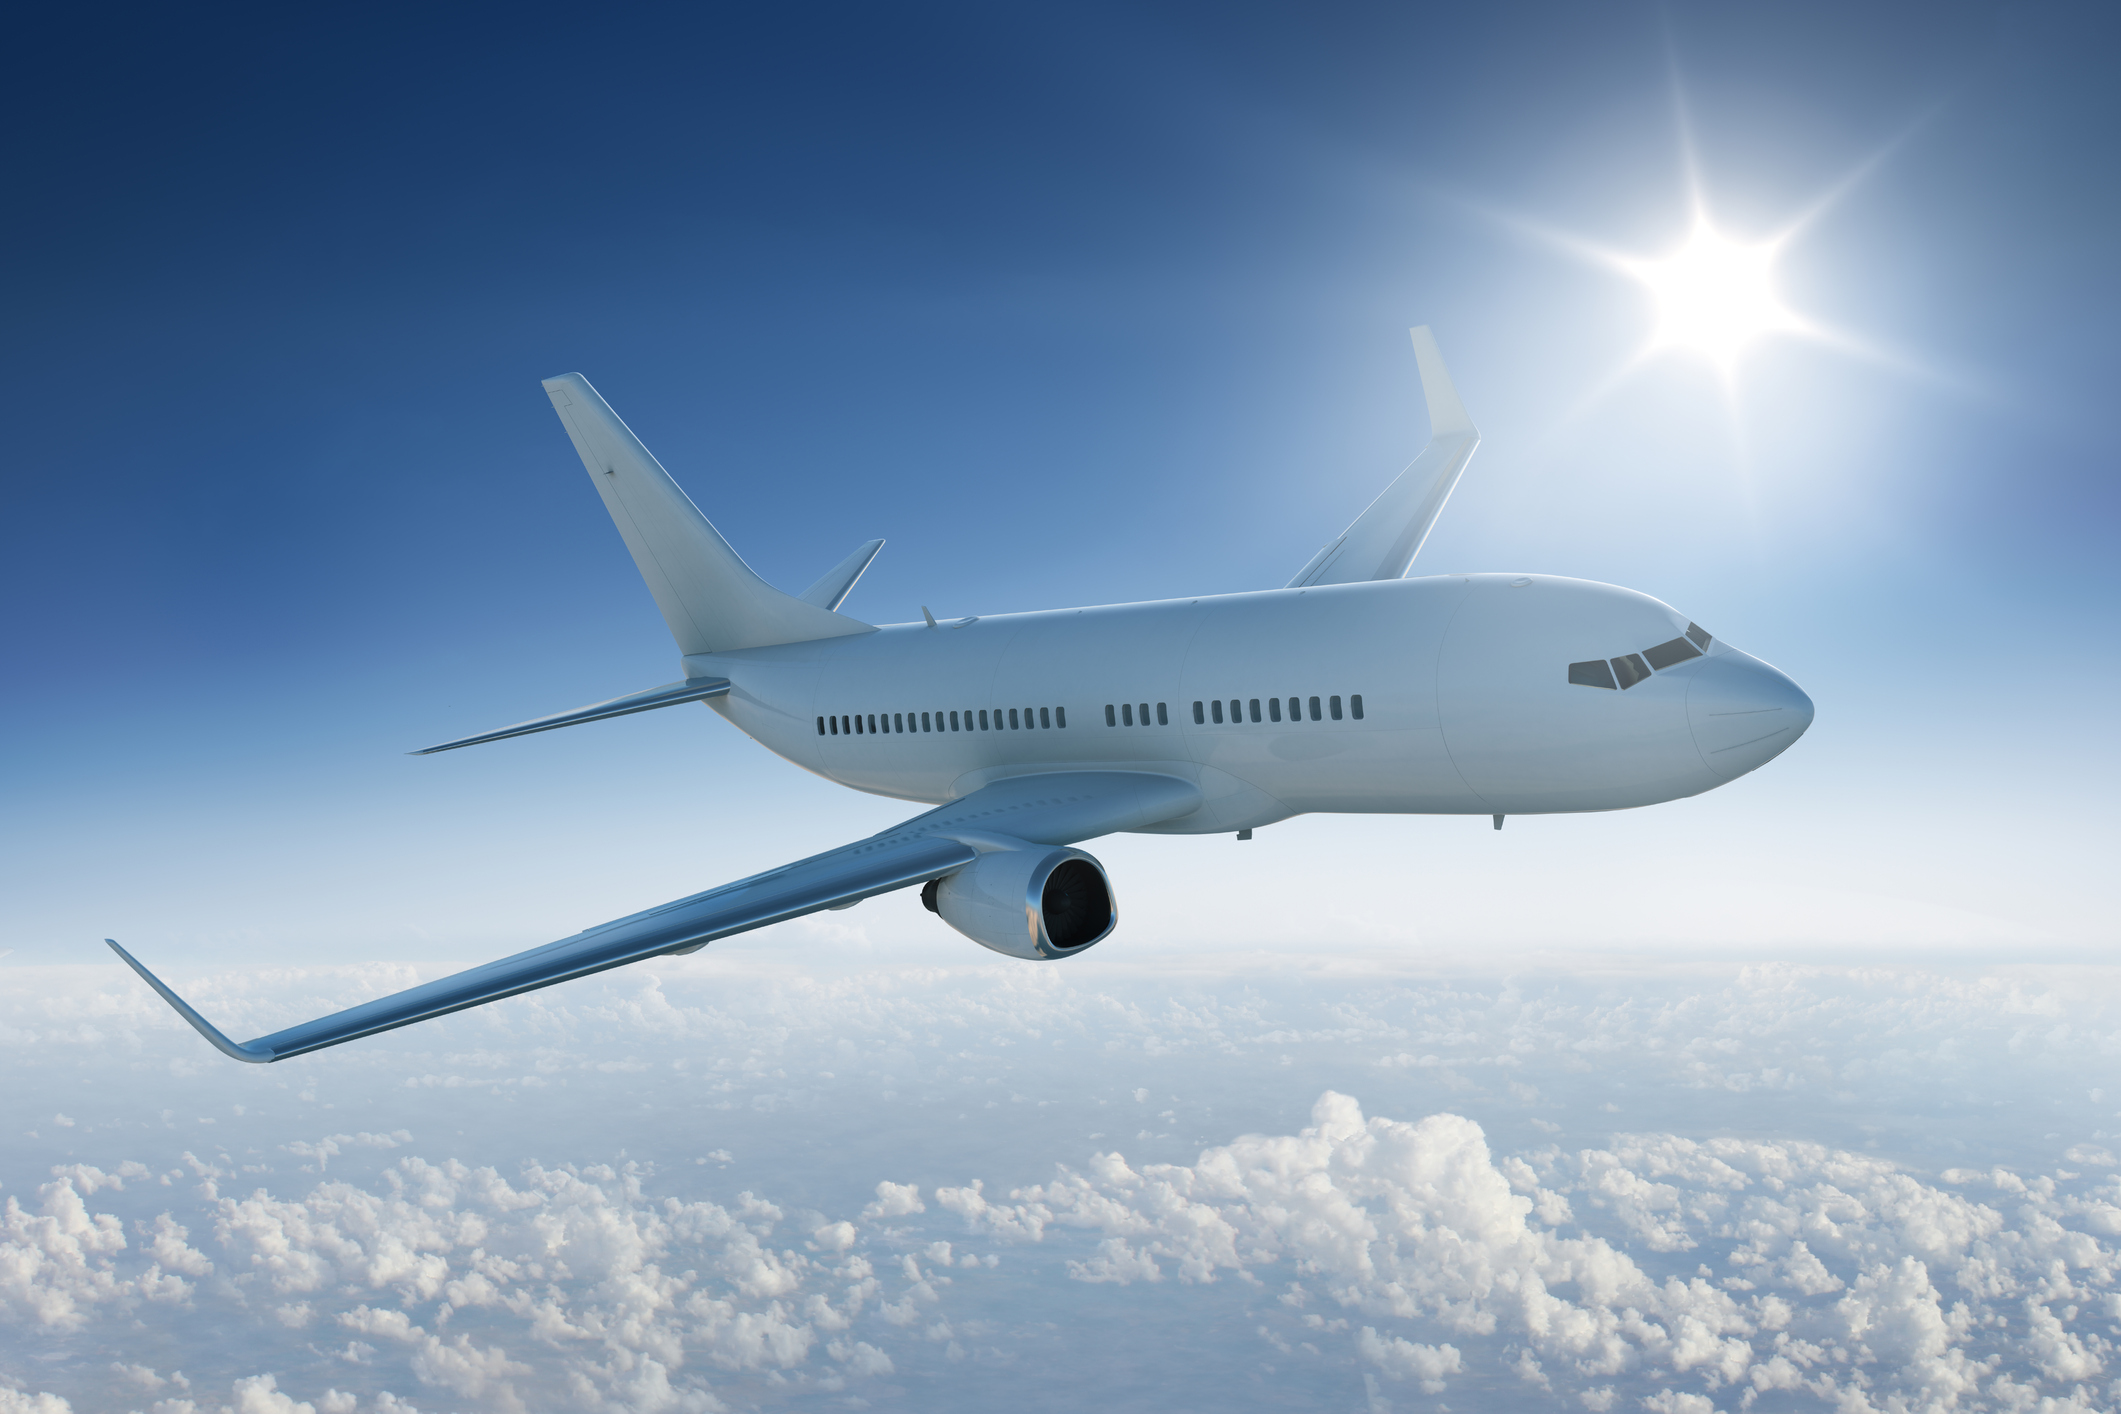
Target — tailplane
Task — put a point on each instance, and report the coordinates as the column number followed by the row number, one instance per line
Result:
column 711, row 599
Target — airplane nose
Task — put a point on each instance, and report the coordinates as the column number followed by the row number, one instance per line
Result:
column 1744, row 713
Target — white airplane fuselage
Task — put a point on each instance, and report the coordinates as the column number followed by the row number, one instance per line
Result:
column 1461, row 682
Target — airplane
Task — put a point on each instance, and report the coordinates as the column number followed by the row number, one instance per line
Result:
column 1351, row 689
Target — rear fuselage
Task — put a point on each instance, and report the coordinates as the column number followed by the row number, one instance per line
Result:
column 1439, row 695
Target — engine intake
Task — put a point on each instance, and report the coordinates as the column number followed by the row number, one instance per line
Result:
column 1038, row 902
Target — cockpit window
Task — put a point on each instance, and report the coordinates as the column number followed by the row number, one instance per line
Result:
column 1664, row 655
column 1632, row 668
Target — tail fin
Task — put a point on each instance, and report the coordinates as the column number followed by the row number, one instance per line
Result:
column 1384, row 539
column 711, row 599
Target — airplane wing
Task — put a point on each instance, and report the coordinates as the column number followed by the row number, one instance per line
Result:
column 1384, row 539
column 1058, row 808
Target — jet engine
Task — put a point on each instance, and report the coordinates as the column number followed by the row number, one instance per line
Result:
column 1032, row 901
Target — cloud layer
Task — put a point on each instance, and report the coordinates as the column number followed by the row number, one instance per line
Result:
column 886, row 1189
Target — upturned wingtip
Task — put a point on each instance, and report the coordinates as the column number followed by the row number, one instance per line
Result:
column 199, row 1023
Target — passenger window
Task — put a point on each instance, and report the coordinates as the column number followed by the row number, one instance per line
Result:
column 1163, row 718
column 872, row 721
column 1145, row 714
column 1314, row 709
column 983, row 720
column 1296, row 709
column 846, row 729
column 1045, row 719
column 1666, row 655
column 1060, row 717
column 1700, row 636
column 1254, row 706
column 1274, row 709
column 1217, row 708
column 1012, row 721
column 1333, row 706
column 1111, row 715
column 1126, row 714
column 1596, row 673
column 1355, row 706
column 898, row 723
column 1197, row 718
column 924, row 722
column 1237, row 710
column 1630, row 670
column 821, row 726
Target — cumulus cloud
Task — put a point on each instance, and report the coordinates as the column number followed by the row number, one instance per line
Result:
column 1500, row 1243
column 610, row 1297
column 895, row 1200
column 1845, row 1277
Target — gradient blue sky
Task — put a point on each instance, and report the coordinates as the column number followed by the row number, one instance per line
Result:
column 1073, row 305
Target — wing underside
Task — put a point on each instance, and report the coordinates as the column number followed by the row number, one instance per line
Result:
column 1045, row 809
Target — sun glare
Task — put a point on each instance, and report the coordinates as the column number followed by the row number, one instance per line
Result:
column 1714, row 295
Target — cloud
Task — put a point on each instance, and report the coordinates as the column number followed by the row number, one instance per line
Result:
column 1503, row 1237
column 20, row 1402
column 895, row 1200
column 1846, row 1277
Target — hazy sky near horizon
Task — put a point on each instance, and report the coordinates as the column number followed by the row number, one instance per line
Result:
column 1072, row 305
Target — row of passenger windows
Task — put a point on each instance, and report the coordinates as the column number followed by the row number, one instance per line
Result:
column 1124, row 714
column 1248, row 708
column 1630, row 668
column 885, row 723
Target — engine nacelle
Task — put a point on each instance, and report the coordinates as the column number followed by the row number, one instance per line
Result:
column 1038, row 902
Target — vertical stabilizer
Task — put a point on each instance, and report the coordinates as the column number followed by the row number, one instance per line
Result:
column 711, row 599
column 1384, row 539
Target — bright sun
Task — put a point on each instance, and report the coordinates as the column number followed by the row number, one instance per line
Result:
column 1715, row 296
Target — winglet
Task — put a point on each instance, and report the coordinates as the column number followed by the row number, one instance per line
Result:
column 1384, row 539
column 1447, row 415
column 199, row 1023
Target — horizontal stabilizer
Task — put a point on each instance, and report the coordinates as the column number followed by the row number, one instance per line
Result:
column 1384, row 539
column 1059, row 808
column 712, row 600
column 668, row 695
column 832, row 591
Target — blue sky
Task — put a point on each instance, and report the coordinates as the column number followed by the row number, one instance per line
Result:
column 1071, row 306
